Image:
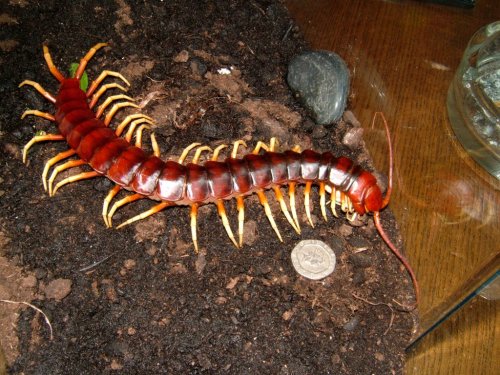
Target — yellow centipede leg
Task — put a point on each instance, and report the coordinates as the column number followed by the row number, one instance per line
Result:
column 78, row 177
column 40, row 138
column 122, row 202
column 284, row 208
column 222, row 213
column 111, row 194
column 145, row 214
column 35, row 112
column 307, row 192
column 102, row 76
column 267, row 210
column 291, row 194
column 194, row 214
column 322, row 200
column 240, row 205
column 51, row 162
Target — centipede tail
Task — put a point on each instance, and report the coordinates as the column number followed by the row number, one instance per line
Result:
column 110, row 153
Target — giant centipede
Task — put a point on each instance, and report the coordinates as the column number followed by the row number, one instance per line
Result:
column 177, row 183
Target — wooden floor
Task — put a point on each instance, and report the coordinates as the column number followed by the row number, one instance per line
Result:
column 402, row 56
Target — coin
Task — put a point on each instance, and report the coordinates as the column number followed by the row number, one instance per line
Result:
column 313, row 259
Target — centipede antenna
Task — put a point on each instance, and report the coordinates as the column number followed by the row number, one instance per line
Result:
column 86, row 59
column 55, row 72
column 194, row 214
column 52, row 161
column 403, row 260
column 40, row 138
column 387, row 197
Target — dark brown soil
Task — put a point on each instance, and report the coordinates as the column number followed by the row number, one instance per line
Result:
column 140, row 300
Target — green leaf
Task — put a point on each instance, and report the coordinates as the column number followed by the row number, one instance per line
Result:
column 84, row 81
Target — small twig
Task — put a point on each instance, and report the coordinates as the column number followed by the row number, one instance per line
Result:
column 34, row 308
column 258, row 8
column 287, row 32
column 87, row 268
column 378, row 304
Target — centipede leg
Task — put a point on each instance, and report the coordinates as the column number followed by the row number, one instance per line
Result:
column 198, row 152
column 130, row 119
column 194, row 214
column 284, row 208
column 236, row 144
column 86, row 59
column 60, row 168
column 78, row 177
column 240, row 205
column 115, row 108
column 186, row 151
column 111, row 194
column 217, row 150
column 54, row 160
column 102, row 90
column 102, row 76
column 307, row 191
column 322, row 200
column 38, row 113
column 222, row 213
column 267, row 210
column 154, row 144
column 48, row 59
column 291, row 195
column 40, row 138
column 120, row 203
column 40, row 89
column 333, row 202
column 111, row 99
column 145, row 214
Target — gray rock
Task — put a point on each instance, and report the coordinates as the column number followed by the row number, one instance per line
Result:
column 321, row 79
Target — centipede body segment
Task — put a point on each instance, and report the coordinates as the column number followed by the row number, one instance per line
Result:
column 180, row 183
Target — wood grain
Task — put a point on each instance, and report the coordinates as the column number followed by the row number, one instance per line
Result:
column 402, row 57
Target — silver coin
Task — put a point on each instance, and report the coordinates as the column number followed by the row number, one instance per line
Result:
column 313, row 259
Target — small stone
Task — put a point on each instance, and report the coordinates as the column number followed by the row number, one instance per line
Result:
column 182, row 57
column 58, row 289
column 129, row 264
column 131, row 331
column 353, row 138
column 361, row 260
column 351, row 324
column 319, row 132
column 321, row 80
column 29, row 282
column 359, row 244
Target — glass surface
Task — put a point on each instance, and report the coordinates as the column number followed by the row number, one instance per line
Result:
column 474, row 99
